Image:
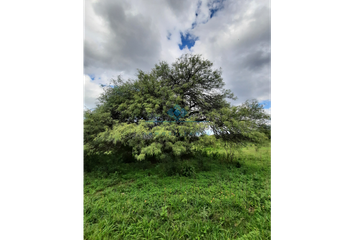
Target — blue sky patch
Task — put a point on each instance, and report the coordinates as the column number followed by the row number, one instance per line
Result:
column 212, row 12
column 104, row 85
column 187, row 41
column 92, row 76
column 266, row 104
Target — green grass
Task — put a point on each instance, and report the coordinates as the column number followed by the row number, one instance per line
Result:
column 230, row 201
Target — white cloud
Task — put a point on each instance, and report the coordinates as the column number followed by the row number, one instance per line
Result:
column 90, row 92
column 121, row 36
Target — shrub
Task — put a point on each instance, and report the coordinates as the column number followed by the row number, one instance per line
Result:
column 202, row 163
column 169, row 168
column 178, row 167
column 144, row 165
column 216, row 155
column 187, row 169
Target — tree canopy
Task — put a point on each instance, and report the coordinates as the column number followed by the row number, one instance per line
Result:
column 135, row 115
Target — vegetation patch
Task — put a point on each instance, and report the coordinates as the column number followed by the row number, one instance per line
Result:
column 153, row 172
column 228, row 201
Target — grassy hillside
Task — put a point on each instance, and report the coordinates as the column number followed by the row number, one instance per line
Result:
column 217, row 200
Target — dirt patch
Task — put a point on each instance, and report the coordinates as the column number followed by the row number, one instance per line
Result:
column 251, row 210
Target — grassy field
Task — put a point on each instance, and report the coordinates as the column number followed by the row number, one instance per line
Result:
column 220, row 201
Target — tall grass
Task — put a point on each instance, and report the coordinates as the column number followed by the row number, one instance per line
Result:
column 201, row 198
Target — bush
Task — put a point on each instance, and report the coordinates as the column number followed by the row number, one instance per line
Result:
column 201, row 153
column 90, row 162
column 187, row 169
column 144, row 165
column 202, row 163
column 215, row 155
column 169, row 168
column 178, row 167
column 103, row 163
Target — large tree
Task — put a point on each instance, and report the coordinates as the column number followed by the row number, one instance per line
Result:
column 135, row 115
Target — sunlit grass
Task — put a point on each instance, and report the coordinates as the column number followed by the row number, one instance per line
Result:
column 227, row 202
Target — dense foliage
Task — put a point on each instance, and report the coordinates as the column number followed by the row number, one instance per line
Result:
column 132, row 116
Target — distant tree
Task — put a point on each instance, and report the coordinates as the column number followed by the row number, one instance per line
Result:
column 133, row 114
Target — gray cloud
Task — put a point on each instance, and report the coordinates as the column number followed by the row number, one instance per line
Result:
column 121, row 36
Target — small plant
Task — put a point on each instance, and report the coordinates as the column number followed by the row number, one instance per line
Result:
column 204, row 213
column 163, row 212
column 176, row 216
column 205, row 229
column 222, row 220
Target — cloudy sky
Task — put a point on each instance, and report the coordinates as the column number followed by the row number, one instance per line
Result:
column 121, row 36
